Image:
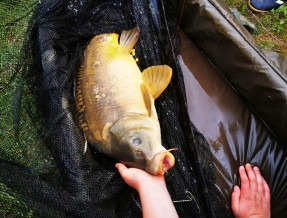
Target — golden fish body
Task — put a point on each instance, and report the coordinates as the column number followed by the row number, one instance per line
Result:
column 110, row 81
column 116, row 109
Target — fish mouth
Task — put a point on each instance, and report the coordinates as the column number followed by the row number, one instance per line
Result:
column 167, row 162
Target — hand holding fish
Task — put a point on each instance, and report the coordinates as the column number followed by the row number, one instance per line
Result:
column 155, row 199
column 139, row 179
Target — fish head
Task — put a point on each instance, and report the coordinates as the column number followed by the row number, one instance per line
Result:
column 136, row 141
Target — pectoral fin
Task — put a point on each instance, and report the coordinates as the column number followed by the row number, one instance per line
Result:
column 157, row 79
column 129, row 38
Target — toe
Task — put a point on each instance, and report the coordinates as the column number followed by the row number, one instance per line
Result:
column 244, row 180
column 252, row 178
column 235, row 199
column 267, row 198
column 260, row 187
column 267, row 195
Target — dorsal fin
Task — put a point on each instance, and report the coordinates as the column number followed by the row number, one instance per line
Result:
column 129, row 38
column 157, row 79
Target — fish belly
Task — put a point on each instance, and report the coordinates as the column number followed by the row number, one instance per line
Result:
column 109, row 86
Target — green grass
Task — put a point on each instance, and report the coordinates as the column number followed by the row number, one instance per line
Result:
column 28, row 150
column 10, row 206
column 272, row 26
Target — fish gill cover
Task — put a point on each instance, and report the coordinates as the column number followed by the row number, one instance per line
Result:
column 86, row 184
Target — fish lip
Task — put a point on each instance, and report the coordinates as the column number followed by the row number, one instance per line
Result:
column 166, row 162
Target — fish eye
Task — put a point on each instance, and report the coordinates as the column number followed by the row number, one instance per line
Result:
column 136, row 141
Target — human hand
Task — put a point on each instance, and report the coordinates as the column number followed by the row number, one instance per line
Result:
column 155, row 199
column 253, row 200
column 139, row 179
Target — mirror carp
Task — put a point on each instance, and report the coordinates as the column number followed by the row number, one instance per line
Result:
column 115, row 103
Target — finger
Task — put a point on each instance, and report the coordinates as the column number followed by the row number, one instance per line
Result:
column 121, row 168
column 235, row 196
column 267, row 195
column 260, row 187
column 252, row 178
column 244, row 180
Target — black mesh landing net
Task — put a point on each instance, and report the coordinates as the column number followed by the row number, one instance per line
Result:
column 75, row 183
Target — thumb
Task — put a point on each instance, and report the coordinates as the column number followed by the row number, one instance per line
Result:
column 235, row 200
column 122, row 170
column 128, row 175
column 125, row 173
column 121, row 167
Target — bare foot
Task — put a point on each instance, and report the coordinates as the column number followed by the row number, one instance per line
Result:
column 253, row 200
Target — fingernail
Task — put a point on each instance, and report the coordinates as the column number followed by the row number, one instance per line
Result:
column 248, row 165
column 236, row 188
column 241, row 167
column 256, row 168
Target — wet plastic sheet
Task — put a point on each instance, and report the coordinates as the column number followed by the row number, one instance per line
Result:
column 259, row 79
column 236, row 132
